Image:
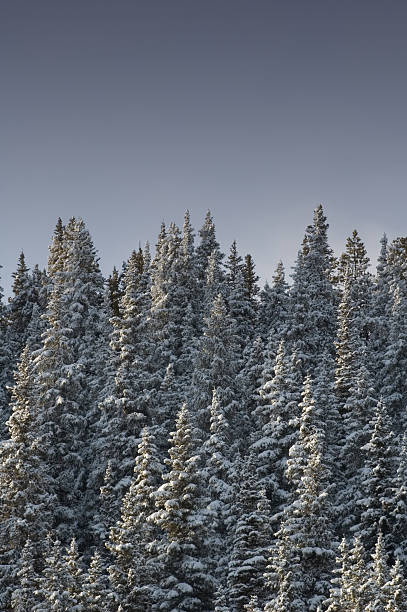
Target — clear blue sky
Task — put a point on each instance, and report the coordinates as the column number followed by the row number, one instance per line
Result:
column 128, row 112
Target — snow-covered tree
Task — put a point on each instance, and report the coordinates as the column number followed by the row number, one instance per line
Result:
column 216, row 366
column 68, row 374
column 185, row 582
column 27, row 502
column 304, row 544
column 251, row 539
column 273, row 309
column 311, row 320
column 353, row 431
column 240, row 306
column 378, row 484
column 62, row 578
column 218, row 474
column 276, row 420
column 132, row 539
column 396, row 589
column 125, row 409
column 96, row 594
column 352, row 589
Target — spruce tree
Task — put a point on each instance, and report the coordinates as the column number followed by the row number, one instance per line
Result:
column 378, row 485
column 27, row 502
column 276, row 420
column 208, row 246
column 396, row 589
column 304, row 543
column 250, row 280
column 25, row 593
column 114, row 292
column 240, row 306
column 216, row 367
column 6, row 365
column 381, row 307
column 311, row 320
column 62, row 581
column 96, row 594
column 352, row 590
column 185, row 583
column 251, row 539
column 68, row 379
column 125, row 410
column 273, row 310
column 218, row 474
column 132, row 541
column 393, row 380
column 379, row 576
column 353, row 433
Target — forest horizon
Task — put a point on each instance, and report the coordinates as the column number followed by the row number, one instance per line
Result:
column 176, row 437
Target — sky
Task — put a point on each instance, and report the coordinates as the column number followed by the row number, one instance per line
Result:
column 129, row 112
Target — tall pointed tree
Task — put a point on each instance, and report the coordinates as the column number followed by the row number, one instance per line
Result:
column 304, row 543
column 69, row 376
column 251, row 540
column 132, row 540
column 311, row 321
column 216, row 366
column 273, row 309
column 378, row 485
column 27, row 503
column 185, row 584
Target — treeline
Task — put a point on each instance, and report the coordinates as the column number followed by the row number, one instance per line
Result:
column 175, row 438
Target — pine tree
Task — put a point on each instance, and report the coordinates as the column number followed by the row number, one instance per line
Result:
column 273, row 310
column 379, row 577
column 217, row 471
column 132, row 540
column 285, row 600
column 398, row 513
column 251, row 380
column 304, row 543
column 381, row 307
column 29, row 296
column 216, row 367
column 208, row 246
column 349, row 347
column 68, row 378
column 352, row 591
column 173, row 316
column 24, row 596
column 253, row 605
column 185, row 583
column 62, row 582
column 393, row 382
column 6, row 365
column 311, row 320
column 240, row 306
column 378, row 485
column 276, row 420
column 114, row 292
column 27, row 502
column 250, row 280
column 56, row 251
column 96, row 595
column 126, row 410
column 354, row 262
column 353, row 434
column 251, row 539
column 396, row 589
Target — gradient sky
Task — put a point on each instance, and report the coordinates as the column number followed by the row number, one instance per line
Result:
column 127, row 112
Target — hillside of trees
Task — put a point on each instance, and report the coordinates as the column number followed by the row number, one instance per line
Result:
column 175, row 438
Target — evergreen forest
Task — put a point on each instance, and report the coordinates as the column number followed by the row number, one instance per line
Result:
column 177, row 438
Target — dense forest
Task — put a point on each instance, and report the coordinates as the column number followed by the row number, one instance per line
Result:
column 176, row 438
